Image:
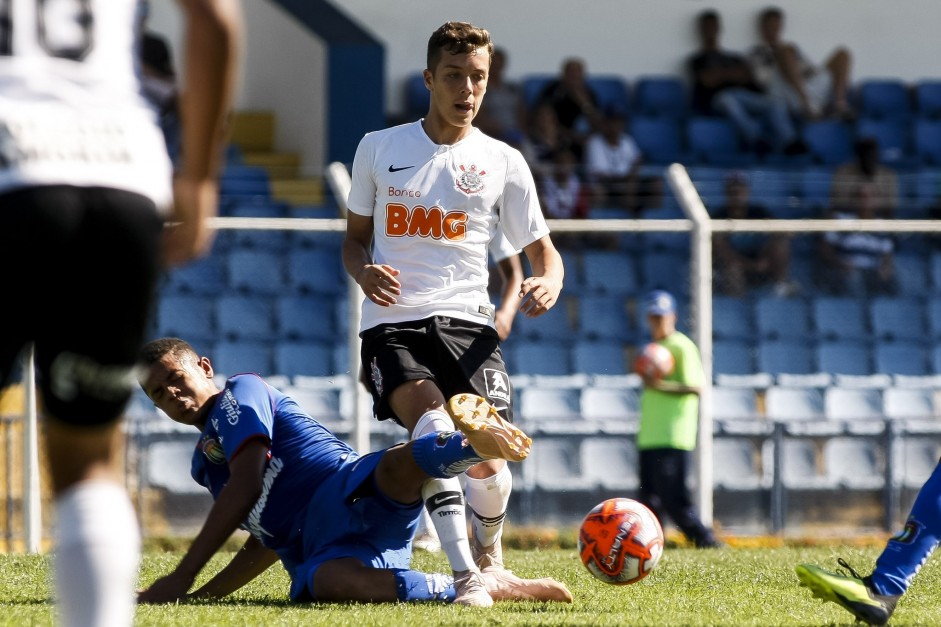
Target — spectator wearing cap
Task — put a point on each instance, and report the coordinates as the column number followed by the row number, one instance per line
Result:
column 612, row 165
column 749, row 260
column 669, row 424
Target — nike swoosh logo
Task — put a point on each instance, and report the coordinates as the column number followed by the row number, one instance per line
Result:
column 392, row 168
column 444, row 498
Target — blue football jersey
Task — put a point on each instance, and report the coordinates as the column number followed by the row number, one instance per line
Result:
column 302, row 453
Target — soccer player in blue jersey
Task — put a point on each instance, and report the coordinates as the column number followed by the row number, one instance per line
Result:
column 341, row 523
column 872, row 599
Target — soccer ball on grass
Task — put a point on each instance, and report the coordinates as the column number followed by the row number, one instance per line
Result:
column 620, row 541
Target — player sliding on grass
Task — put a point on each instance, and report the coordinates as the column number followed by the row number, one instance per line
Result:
column 340, row 523
column 426, row 199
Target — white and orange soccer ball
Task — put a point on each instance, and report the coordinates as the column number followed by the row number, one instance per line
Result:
column 655, row 361
column 620, row 541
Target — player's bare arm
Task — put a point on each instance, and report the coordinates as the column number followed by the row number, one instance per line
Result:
column 540, row 292
column 246, row 472
column 511, row 275
column 377, row 281
column 212, row 40
column 253, row 559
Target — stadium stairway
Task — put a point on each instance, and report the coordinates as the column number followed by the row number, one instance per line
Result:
column 253, row 132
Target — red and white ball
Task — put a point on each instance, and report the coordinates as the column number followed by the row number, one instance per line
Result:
column 655, row 361
column 620, row 541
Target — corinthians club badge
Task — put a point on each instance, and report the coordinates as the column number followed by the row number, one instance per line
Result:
column 470, row 181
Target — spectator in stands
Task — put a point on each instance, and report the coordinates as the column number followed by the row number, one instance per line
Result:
column 543, row 139
column 744, row 260
column 669, row 421
column 612, row 165
column 857, row 264
column 811, row 91
column 341, row 523
column 866, row 168
column 565, row 196
column 502, row 115
column 575, row 103
column 723, row 84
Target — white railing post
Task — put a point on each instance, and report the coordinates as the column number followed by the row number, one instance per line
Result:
column 32, row 504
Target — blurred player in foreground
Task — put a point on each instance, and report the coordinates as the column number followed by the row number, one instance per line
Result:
column 340, row 523
column 426, row 200
column 85, row 186
column 872, row 599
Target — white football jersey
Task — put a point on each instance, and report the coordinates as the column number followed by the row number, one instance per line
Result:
column 436, row 209
column 71, row 109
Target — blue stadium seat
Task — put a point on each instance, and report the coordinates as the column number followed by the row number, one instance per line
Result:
column 794, row 403
column 245, row 317
column 266, row 239
column 303, row 357
column 538, row 357
column 191, row 316
column 844, row 357
column 661, row 96
column 599, row 357
column 899, row 318
column 714, row 141
column 315, row 271
column 304, row 317
column 785, row 356
column 556, row 467
column 542, row 404
column 911, row 271
column 799, row 467
column 884, row 99
column 602, row 316
column 732, row 318
column 815, row 183
column 905, row 358
column 206, row 276
column 659, row 139
column 609, row 272
column 933, row 311
column 927, row 136
column 612, row 92
column 840, row 318
column 238, row 356
column 555, row 324
column 782, row 318
column 665, row 270
column 928, row 98
column 244, row 180
column 253, row 271
column 830, row 142
column 732, row 357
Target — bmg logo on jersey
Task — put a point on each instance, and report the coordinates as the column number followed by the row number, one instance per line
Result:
column 425, row 222
column 498, row 385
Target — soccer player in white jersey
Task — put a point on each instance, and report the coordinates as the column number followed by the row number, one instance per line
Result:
column 85, row 188
column 426, row 199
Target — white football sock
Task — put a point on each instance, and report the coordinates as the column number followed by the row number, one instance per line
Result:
column 488, row 499
column 97, row 555
column 444, row 500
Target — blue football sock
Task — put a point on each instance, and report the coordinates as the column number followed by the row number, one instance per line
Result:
column 443, row 454
column 412, row 586
column 908, row 550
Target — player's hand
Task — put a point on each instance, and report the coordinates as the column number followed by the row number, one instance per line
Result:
column 379, row 284
column 539, row 294
column 167, row 589
column 190, row 236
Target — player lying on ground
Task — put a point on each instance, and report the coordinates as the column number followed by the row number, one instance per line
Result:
column 341, row 523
